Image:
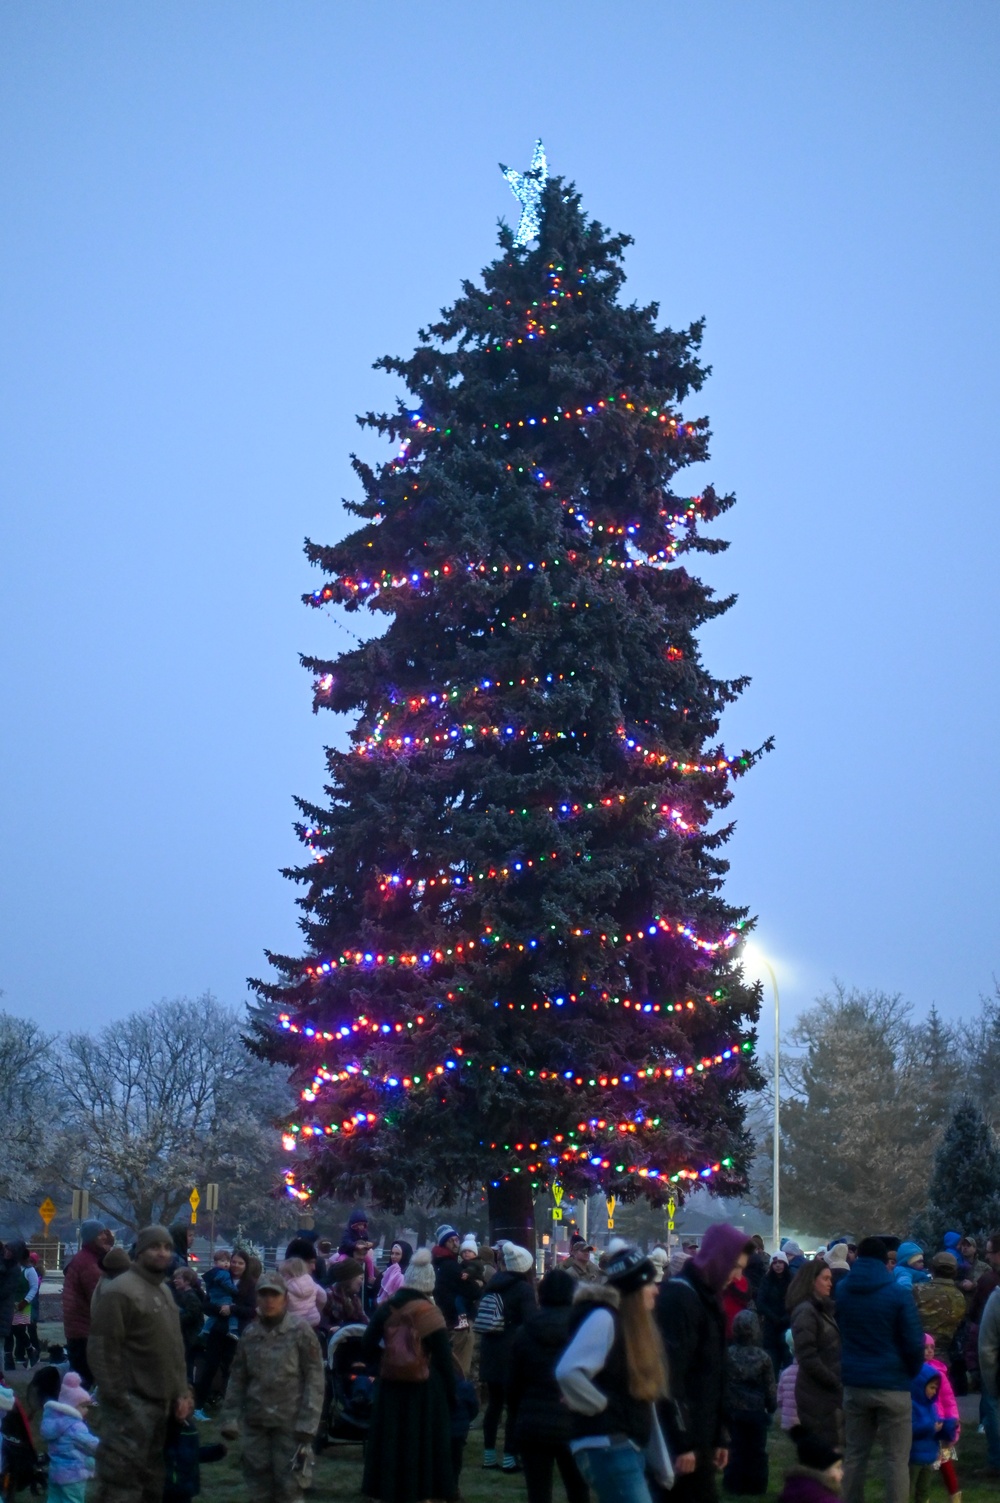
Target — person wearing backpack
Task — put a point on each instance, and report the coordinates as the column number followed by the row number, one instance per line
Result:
column 408, row 1454
column 507, row 1303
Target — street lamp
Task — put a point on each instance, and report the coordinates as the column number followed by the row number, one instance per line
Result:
column 776, row 1186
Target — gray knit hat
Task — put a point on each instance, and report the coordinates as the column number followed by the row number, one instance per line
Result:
column 420, row 1274
column 153, row 1236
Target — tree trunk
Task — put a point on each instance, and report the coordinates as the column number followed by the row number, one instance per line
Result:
column 512, row 1212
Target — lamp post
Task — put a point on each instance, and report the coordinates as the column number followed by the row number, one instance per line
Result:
column 776, row 1187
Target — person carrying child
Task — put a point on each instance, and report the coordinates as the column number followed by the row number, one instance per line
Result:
column 275, row 1395
column 70, row 1444
column 931, row 1432
column 752, row 1399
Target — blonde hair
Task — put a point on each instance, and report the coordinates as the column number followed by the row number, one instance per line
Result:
column 645, row 1358
column 292, row 1268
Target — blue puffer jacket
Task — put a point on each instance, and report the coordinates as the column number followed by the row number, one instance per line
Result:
column 70, row 1444
column 882, row 1340
column 927, row 1438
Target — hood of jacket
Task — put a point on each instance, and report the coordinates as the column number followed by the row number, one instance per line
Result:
column 746, row 1329
column 719, row 1250
column 918, row 1388
column 867, row 1275
column 57, row 1418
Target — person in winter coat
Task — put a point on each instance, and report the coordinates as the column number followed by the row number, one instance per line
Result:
column 929, row 1430
column 757, row 1265
column 182, row 1237
column 16, row 1343
column 940, row 1303
column 837, row 1259
column 819, row 1392
column 818, row 1475
column 400, row 1254
column 881, row 1352
column 80, row 1279
column 736, row 1298
column 345, row 1300
column 220, row 1293
column 511, row 1300
column 948, row 1405
column 306, row 1298
column 275, row 1396
column 69, row 1443
column 910, row 1268
column 611, row 1376
column 220, row 1349
column 691, row 1320
column 787, row 1411
column 793, row 1252
column 752, row 1397
column 579, row 1264
column 772, row 1307
column 408, row 1452
column 450, row 1283
column 192, row 1314
column 136, row 1354
column 474, row 1281
column 357, row 1243
column 539, row 1421
column 989, row 1376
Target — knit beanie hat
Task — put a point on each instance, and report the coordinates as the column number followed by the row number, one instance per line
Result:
column 907, row 1251
column 836, row 1256
column 116, row 1261
column 780, row 1257
column 791, row 1249
column 344, row 1269
column 420, row 1274
column 627, row 1269
column 153, row 1236
column 73, row 1392
column 90, row 1231
column 517, row 1259
column 443, row 1233
column 658, row 1258
column 469, row 1244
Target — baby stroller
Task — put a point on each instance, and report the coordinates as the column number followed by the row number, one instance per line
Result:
column 350, row 1388
column 20, row 1464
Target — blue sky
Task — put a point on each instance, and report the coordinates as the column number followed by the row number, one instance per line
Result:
column 215, row 217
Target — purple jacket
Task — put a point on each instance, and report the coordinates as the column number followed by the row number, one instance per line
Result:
column 804, row 1486
column 70, row 1444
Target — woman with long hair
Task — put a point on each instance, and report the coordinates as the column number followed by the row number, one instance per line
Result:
column 220, row 1346
column 819, row 1393
column 611, row 1375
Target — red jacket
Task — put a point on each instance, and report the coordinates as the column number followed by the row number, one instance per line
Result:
column 735, row 1297
column 82, row 1274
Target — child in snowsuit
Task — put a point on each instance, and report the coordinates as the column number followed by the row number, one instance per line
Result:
column 275, row 1394
column 70, row 1444
column 220, row 1291
column 930, row 1432
column 948, row 1405
column 787, row 1411
column 753, row 1398
column 306, row 1298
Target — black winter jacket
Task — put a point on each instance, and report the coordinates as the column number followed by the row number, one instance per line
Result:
column 775, row 1318
column 519, row 1302
column 693, row 1327
column 534, row 1403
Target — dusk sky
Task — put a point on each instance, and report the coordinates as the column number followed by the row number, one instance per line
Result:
column 215, row 217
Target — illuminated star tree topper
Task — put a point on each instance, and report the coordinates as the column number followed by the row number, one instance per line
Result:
column 527, row 188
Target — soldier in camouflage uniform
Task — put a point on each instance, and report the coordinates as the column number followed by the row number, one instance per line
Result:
column 136, row 1353
column 276, row 1392
column 940, row 1302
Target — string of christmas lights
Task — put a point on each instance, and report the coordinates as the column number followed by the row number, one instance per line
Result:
column 653, row 929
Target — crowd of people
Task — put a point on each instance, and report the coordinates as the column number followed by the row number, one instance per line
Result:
column 628, row 1375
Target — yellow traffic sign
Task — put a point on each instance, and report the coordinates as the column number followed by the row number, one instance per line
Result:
column 612, row 1202
column 557, row 1214
column 47, row 1210
column 194, row 1201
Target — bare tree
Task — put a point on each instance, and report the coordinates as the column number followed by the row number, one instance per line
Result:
column 26, row 1105
column 167, row 1099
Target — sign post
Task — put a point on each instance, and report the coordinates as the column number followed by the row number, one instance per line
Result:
column 81, row 1205
column 211, row 1206
column 194, row 1201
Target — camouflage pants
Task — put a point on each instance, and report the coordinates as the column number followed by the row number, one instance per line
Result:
column 130, row 1465
column 267, row 1466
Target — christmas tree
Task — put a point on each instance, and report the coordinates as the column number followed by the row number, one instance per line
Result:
column 520, row 970
column 965, row 1186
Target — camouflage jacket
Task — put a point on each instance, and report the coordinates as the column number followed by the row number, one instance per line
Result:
column 941, row 1307
column 276, row 1381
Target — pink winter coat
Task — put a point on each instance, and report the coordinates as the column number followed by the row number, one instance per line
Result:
column 786, row 1396
column 946, row 1401
column 392, row 1280
column 306, row 1298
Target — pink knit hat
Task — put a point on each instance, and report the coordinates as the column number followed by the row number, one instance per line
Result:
column 73, row 1392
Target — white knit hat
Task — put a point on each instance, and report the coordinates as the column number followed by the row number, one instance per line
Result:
column 420, row 1273
column 517, row 1259
column 469, row 1244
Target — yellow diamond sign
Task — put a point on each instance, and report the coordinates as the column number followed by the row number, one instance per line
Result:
column 47, row 1210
